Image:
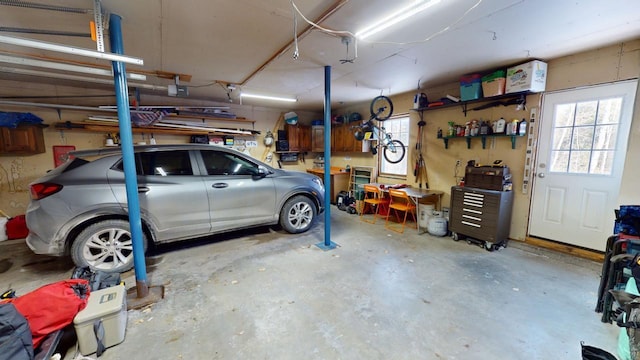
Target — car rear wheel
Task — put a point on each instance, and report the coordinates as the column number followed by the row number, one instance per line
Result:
column 106, row 246
column 297, row 214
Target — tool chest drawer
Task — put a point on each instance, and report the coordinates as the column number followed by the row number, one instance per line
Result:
column 481, row 214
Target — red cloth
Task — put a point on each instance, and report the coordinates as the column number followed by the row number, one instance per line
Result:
column 17, row 228
column 53, row 306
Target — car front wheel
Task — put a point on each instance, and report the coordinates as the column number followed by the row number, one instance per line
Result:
column 297, row 214
column 106, row 246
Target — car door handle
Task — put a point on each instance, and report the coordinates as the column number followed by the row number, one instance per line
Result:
column 219, row 185
column 143, row 189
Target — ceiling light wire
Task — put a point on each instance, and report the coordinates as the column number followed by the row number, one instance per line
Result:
column 342, row 33
column 325, row 30
column 296, row 52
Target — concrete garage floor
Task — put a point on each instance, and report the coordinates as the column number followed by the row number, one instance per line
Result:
column 264, row 294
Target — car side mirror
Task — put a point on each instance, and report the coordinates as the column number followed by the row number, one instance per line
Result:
column 260, row 173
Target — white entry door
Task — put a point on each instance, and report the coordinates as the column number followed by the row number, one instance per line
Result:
column 581, row 149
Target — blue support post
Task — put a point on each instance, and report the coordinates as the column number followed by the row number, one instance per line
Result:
column 126, row 145
column 327, row 244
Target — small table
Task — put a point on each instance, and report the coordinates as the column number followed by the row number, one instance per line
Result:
column 416, row 194
column 339, row 181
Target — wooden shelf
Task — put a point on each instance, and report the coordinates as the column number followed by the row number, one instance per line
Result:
column 483, row 139
column 208, row 118
column 514, row 99
column 136, row 130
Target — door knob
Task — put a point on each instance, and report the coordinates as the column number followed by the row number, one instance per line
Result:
column 541, row 175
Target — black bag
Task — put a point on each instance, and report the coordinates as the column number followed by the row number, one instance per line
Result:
column 594, row 353
column 97, row 279
column 15, row 335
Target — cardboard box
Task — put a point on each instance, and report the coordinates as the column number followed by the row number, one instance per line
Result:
column 530, row 76
column 494, row 84
column 107, row 308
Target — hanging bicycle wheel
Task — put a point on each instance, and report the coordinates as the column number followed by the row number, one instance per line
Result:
column 394, row 152
column 381, row 108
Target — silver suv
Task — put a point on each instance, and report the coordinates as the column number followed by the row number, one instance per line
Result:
column 185, row 191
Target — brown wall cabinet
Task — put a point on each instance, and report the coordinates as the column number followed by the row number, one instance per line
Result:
column 299, row 137
column 23, row 140
column 317, row 138
column 342, row 139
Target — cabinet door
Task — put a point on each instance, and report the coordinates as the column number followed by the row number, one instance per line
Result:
column 293, row 136
column 305, row 138
column 348, row 138
column 23, row 140
column 317, row 138
column 337, row 142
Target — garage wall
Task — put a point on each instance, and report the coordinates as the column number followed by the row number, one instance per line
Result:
column 613, row 63
column 17, row 172
column 603, row 65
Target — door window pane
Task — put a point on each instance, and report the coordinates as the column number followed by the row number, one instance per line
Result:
column 582, row 138
column 586, row 113
column 579, row 162
column 605, row 137
column 609, row 111
column 602, row 162
column 589, row 131
column 562, row 138
column 564, row 115
column 559, row 161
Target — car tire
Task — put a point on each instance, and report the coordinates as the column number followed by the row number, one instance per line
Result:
column 105, row 246
column 297, row 214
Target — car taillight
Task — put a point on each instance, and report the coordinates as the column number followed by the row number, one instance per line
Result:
column 42, row 190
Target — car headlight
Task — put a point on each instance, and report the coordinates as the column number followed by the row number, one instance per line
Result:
column 318, row 182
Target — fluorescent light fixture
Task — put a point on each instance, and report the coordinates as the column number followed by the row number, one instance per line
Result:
column 77, row 78
column 395, row 17
column 266, row 97
column 65, row 67
column 44, row 45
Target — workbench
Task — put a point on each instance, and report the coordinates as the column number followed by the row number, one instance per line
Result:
column 339, row 181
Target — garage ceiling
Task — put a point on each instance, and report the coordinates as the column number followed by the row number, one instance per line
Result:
column 249, row 43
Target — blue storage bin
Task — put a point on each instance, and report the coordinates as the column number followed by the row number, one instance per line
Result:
column 470, row 87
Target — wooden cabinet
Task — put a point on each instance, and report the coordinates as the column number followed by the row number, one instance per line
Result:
column 299, row 137
column 342, row 139
column 481, row 214
column 23, row 140
column 317, row 138
column 305, row 138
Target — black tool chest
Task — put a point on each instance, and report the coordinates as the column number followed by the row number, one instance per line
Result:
column 483, row 215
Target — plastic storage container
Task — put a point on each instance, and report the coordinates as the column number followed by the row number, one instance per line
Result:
column 493, row 84
column 108, row 306
column 531, row 76
column 470, row 87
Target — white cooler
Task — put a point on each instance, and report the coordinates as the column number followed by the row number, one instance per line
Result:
column 108, row 306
